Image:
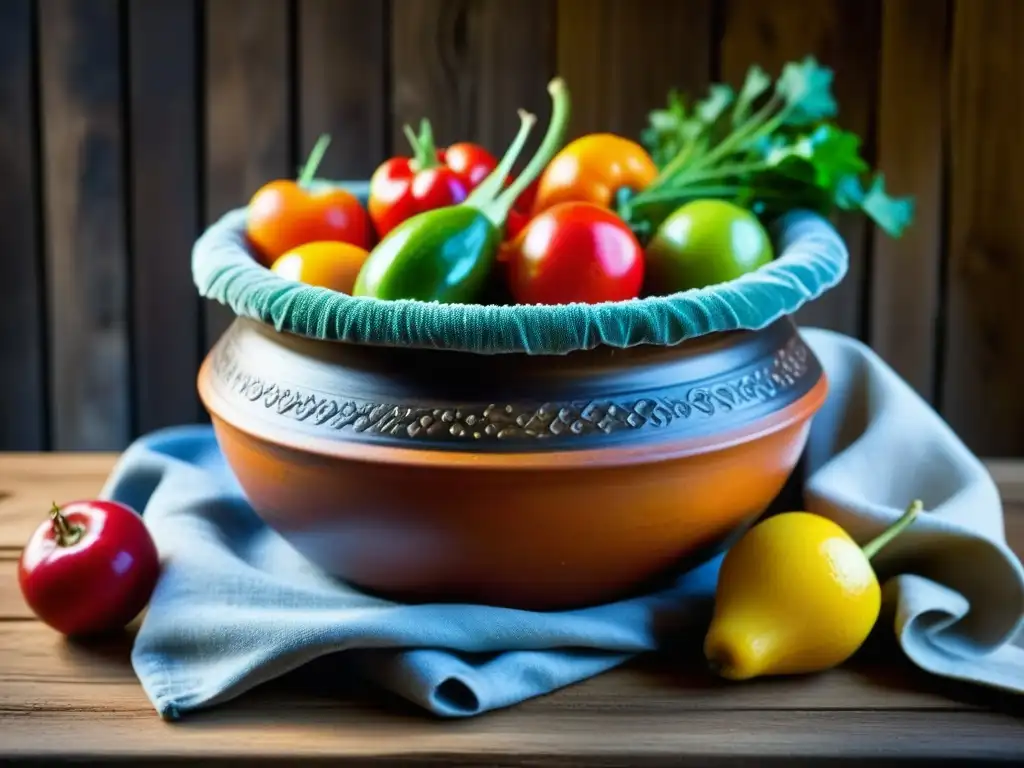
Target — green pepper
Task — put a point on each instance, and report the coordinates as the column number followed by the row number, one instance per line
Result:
column 445, row 255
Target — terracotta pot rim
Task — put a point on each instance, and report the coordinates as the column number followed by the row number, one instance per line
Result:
column 667, row 450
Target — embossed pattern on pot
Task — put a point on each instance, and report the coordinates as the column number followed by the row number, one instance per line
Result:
column 787, row 367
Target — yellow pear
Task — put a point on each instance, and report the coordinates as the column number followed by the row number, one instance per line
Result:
column 795, row 594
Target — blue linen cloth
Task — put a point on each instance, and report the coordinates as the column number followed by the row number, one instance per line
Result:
column 236, row 606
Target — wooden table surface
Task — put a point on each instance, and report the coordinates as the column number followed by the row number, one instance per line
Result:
column 64, row 701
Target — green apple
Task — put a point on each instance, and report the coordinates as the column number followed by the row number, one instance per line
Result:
column 702, row 243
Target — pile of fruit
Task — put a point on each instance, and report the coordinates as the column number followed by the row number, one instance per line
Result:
column 601, row 218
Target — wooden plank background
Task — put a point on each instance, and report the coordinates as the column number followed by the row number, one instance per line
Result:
column 128, row 125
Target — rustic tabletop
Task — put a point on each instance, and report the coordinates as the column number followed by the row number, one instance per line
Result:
column 60, row 700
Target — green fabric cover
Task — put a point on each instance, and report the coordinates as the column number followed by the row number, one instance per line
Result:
column 810, row 259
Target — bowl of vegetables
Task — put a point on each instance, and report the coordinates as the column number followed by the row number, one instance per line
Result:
column 545, row 388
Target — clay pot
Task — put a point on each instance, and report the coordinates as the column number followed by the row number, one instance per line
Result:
column 530, row 482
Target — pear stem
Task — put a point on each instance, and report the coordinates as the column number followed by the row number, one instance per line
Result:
column 872, row 547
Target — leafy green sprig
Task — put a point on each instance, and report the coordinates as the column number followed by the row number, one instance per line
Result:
column 770, row 149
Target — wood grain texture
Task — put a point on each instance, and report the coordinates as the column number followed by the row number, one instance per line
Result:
column 1008, row 474
column 467, row 66
column 524, row 737
column 23, row 400
column 984, row 368
column 634, row 713
column 29, row 484
column 911, row 134
column 620, row 63
column 843, row 35
column 342, row 86
column 12, row 604
column 44, row 671
column 657, row 710
column 247, row 108
column 164, row 209
column 87, row 267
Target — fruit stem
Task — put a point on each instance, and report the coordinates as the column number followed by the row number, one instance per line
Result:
column 64, row 533
column 872, row 547
column 484, row 197
column 423, row 147
column 308, row 172
column 549, row 147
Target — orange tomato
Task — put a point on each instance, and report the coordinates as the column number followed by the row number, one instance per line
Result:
column 284, row 215
column 330, row 264
column 592, row 169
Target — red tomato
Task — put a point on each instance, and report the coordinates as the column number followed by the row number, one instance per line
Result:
column 521, row 211
column 514, row 224
column 432, row 178
column 284, row 215
column 575, row 252
column 471, row 162
column 90, row 568
column 398, row 191
column 526, row 201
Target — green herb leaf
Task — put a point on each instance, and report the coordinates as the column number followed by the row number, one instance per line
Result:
column 833, row 153
column 892, row 214
column 719, row 99
column 794, row 167
column 668, row 120
column 673, row 131
column 756, row 83
column 807, row 91
column 784, row 154
column 667, row 130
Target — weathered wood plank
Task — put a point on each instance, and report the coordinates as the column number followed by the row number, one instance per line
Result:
column 30, row 483
column 843, row 35
column 342, row 84
column 87, row 275
column 620, row 62
column 247, row 112
column 1008, row 474
column 22, row 319
column 42, row 671
column 12, row 604
column 42, row 674
column 468, row 66
column 88, row 693
column 165, row 216
column 983, row 368
column 911, row 132
column 554, row 731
